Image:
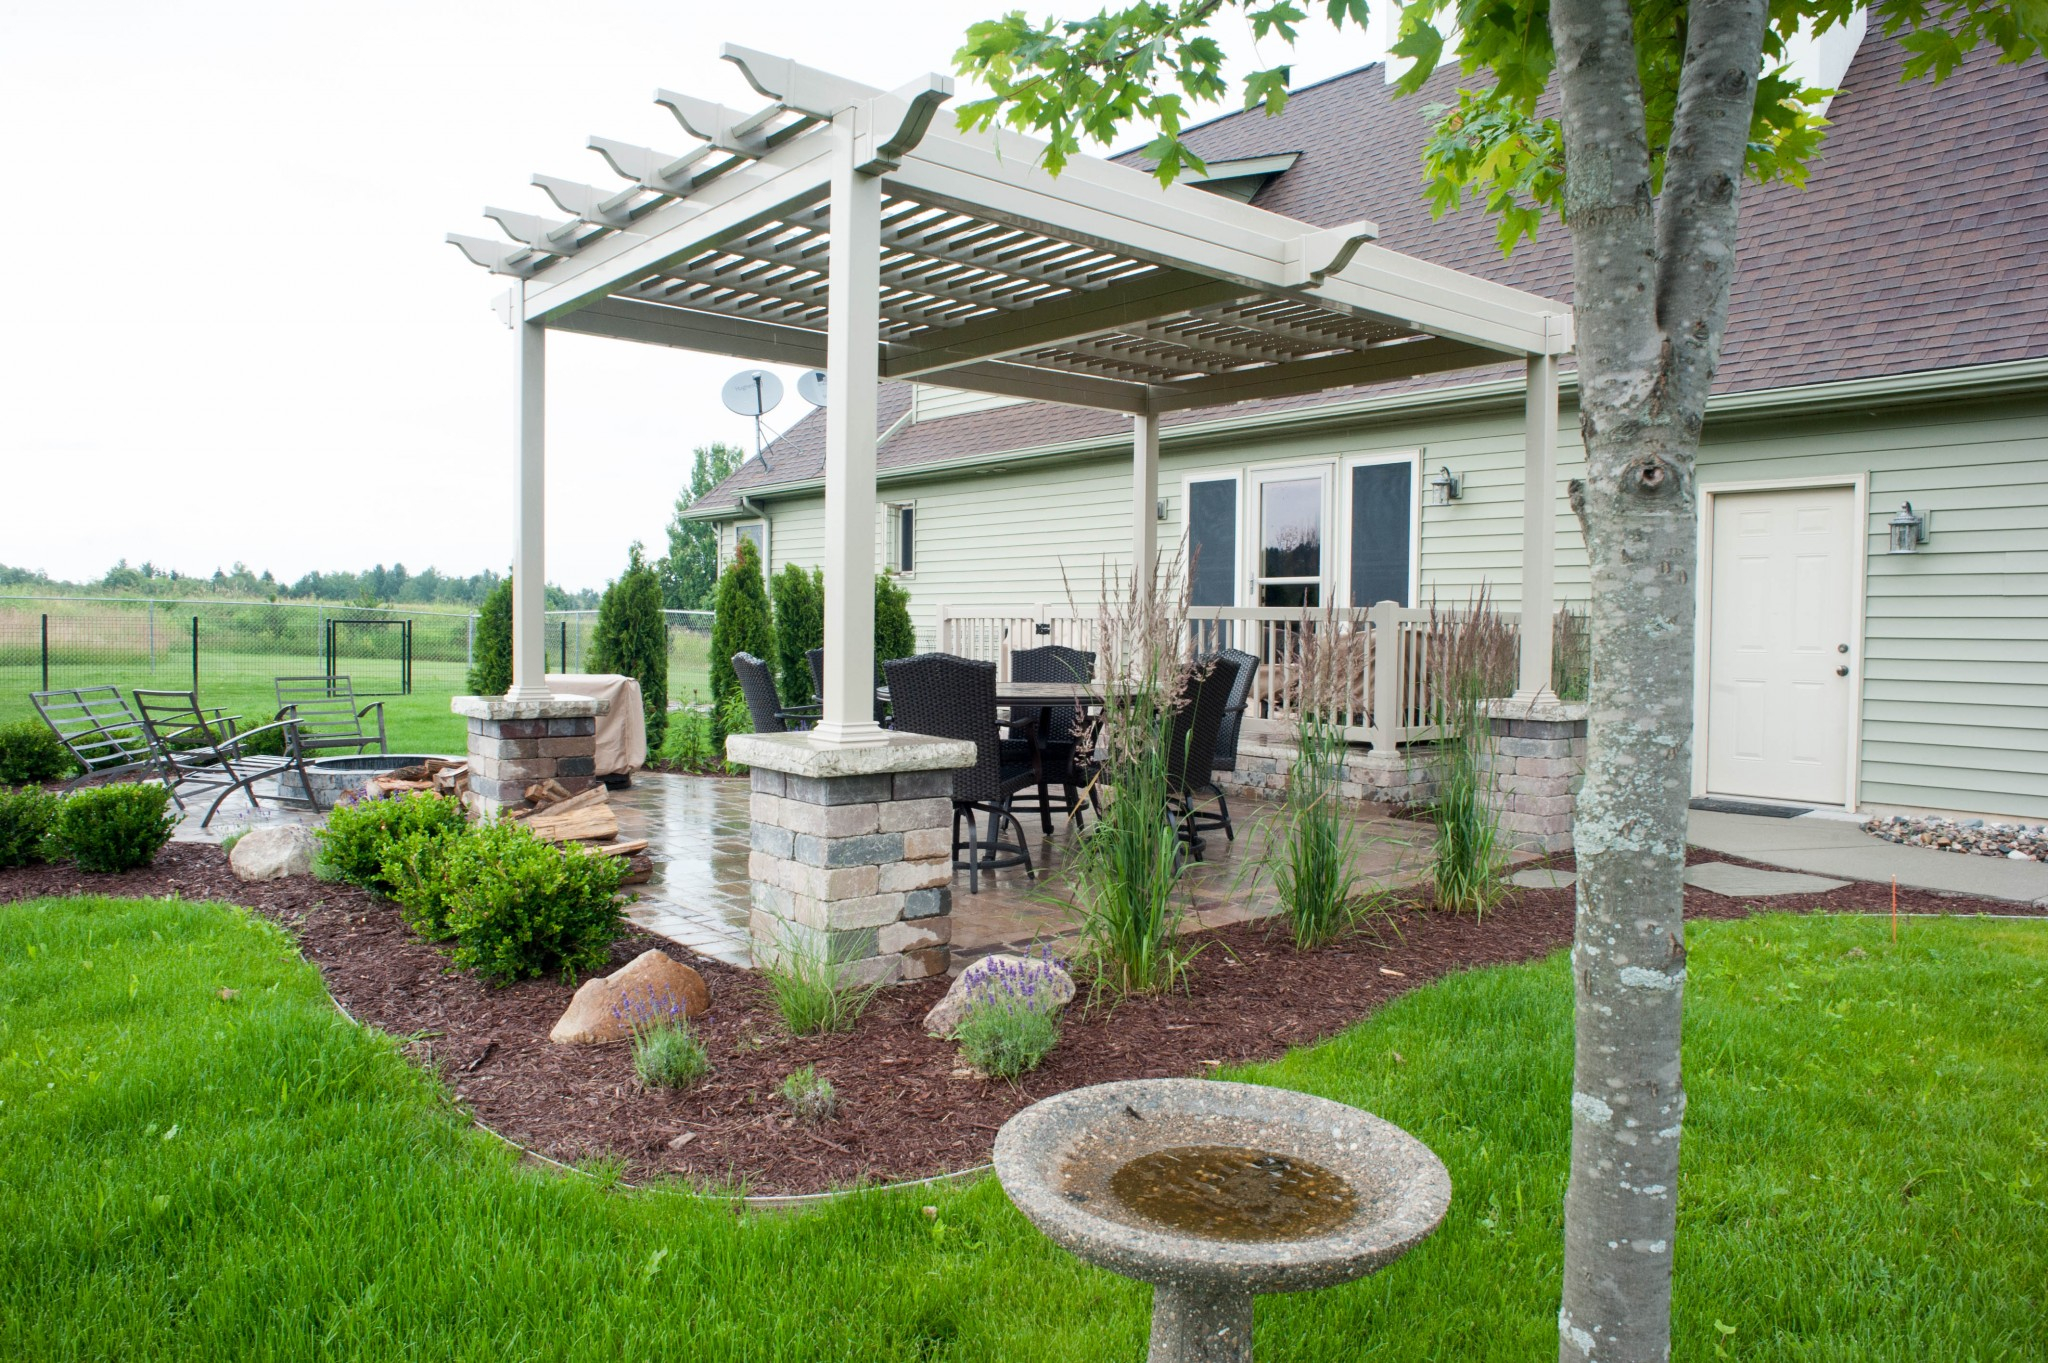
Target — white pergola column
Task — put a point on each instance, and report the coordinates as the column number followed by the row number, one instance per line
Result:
column 529, row 571
column 852, row 349
column 1539, row 529
column 1144, row 501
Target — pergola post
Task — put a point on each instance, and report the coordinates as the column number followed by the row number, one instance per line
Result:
column 852, row 350
column 1539, row 529
column 529, row 573
column 1144, row 502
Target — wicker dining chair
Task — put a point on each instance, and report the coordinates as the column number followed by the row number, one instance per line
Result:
column 1225, row 758
column 949, row 697
column 1054, row 663
column 771, row 716
column 1191, row 744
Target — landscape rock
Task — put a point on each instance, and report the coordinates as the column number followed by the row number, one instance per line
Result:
column 1040, row 982
column 2013, row 841
column 273, row 853
column 651, row 987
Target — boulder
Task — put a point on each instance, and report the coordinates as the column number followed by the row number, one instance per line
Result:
column 1038, row 982
column 274, row 852
column 650, row 988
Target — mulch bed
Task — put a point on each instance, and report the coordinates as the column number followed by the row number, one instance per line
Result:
column 907, row 1109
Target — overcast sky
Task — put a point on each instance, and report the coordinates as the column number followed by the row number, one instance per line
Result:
column 233, row 330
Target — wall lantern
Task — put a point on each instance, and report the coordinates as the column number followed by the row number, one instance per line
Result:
column 1445, row 487
column 1909, row 529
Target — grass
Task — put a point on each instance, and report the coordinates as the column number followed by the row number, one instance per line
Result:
column 187, row 1176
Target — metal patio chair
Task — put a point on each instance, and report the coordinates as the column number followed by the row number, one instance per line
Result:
column 98, row 729
column 949, row 697
column 1054, row 663
column 325, row 708
column 771, row 716
column 200, row 751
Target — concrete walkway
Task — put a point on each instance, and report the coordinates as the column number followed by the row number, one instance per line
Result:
column 1835, row 846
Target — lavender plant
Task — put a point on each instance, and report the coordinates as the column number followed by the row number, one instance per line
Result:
column 810, row 1095
column 666, row 1052
column 1012, row 1020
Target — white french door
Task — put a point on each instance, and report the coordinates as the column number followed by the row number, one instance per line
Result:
column 1290, row 545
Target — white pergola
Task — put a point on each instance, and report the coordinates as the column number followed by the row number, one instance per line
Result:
column 849, row 228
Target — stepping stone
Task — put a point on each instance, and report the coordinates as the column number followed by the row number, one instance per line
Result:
column 1743, row 882
column 1544, row 878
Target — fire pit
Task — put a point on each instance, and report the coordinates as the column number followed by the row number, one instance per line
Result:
column 330, row 777
column 1214, row 1192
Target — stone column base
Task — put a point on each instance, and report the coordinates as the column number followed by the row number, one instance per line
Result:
column 1536, row 758
column 852, row 857
column 517, row 743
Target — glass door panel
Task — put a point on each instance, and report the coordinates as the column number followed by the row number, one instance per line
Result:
column 1293, row 506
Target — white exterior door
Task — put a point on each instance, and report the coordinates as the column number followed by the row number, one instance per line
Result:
column 1781, row 675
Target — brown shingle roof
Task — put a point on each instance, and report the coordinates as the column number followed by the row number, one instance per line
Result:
column 1919, row 243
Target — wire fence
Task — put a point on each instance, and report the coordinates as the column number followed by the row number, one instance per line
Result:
column 569, row 644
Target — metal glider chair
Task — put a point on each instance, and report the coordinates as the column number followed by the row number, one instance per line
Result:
column 200, row 752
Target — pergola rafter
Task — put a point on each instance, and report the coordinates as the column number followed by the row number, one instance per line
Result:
column 839, row 225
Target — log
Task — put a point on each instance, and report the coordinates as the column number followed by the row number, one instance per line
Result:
column 591, row 823
column 622, row 849
column 639, row 870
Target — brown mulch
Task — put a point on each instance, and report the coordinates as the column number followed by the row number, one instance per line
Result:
column 906, row 1107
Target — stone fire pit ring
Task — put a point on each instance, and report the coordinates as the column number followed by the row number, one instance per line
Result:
column 332, row 777
column 1056, row 1157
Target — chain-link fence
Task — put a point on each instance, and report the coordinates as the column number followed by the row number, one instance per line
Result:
column 689, row 649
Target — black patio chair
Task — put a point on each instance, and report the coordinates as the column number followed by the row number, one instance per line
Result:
column 1225, row 758
column 1191, row 743
column 949, row 697
column 201, row 751
column 325, row 708
column 816, row 658
column 1053, row 663
column 98, row 729
column 771, row 716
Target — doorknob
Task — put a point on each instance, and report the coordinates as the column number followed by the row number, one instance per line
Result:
column 1842, row 671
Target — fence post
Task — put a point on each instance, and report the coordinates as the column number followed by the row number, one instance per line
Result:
column 195, row 657
column 469, row 647
column 46, row 650
column 1383, row 619
column 150, row 613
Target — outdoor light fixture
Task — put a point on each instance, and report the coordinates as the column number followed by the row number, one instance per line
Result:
column 1445, row 487
column 1159, row 512
column 1909, row 529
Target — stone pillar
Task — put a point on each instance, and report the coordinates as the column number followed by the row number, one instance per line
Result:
column 852, row 857
column 1536, row 757
column 515, row 743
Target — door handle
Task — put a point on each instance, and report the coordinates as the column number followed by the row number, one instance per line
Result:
column 1842, row 671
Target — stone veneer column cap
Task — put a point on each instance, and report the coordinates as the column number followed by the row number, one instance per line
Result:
column 554, row 707
column 1548, row 710
column 798, row 754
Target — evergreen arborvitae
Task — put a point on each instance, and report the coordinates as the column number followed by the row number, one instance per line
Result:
column 741, row 625
column 631, row 639
column 799, row 627
column 895, row 637
column 490, row 668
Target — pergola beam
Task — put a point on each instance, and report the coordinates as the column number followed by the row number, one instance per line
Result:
column 1397, row 360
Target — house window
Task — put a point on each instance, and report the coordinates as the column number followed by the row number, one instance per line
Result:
column 1380, row 497
column 757, row 531
column 903, row 537
column 1212, row 541
column 1288, row 568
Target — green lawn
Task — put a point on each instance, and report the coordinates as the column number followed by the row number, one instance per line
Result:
column 188, row 1177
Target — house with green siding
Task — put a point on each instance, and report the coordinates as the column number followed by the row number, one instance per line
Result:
column 1873, row 476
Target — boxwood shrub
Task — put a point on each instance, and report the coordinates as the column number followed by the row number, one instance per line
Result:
column 30, row 753
column 25, row 819
column 518, row 907
column 358, row 836
column 112, row 828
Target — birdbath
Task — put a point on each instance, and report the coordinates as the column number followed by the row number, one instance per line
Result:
column 1215, row 1192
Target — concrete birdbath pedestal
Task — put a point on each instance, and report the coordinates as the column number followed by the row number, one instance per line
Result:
column 1215, row 1192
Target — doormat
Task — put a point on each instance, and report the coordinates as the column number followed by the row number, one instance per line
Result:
column 1713, row 806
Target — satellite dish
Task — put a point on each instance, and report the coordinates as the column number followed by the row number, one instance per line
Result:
column 810, row 385
column 752, row 392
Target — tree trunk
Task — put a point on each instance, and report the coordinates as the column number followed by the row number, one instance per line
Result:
column 1651, row 285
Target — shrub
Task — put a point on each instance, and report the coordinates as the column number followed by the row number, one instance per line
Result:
column 1474, row 654
column 414, row 866
column 31, row 753
column 808, row 988
column 799, row 627
column 520, row 907
column 810, row 1096
column 112, row 828
column 689, row 742
column 269, row 743
column 1004, row 1036
column 631, row 639
column 490, row 669
column 740, row 625
column 668, row 1054
column 359, row 832
column 895, row 637
column 25, row 819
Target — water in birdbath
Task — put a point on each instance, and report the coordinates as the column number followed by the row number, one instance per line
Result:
column 1229, row 1192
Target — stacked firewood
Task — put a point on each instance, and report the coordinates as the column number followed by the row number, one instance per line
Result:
column 437, row 774
column 585, row 820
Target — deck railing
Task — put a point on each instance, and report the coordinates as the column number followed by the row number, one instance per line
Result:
column 1384, row 705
